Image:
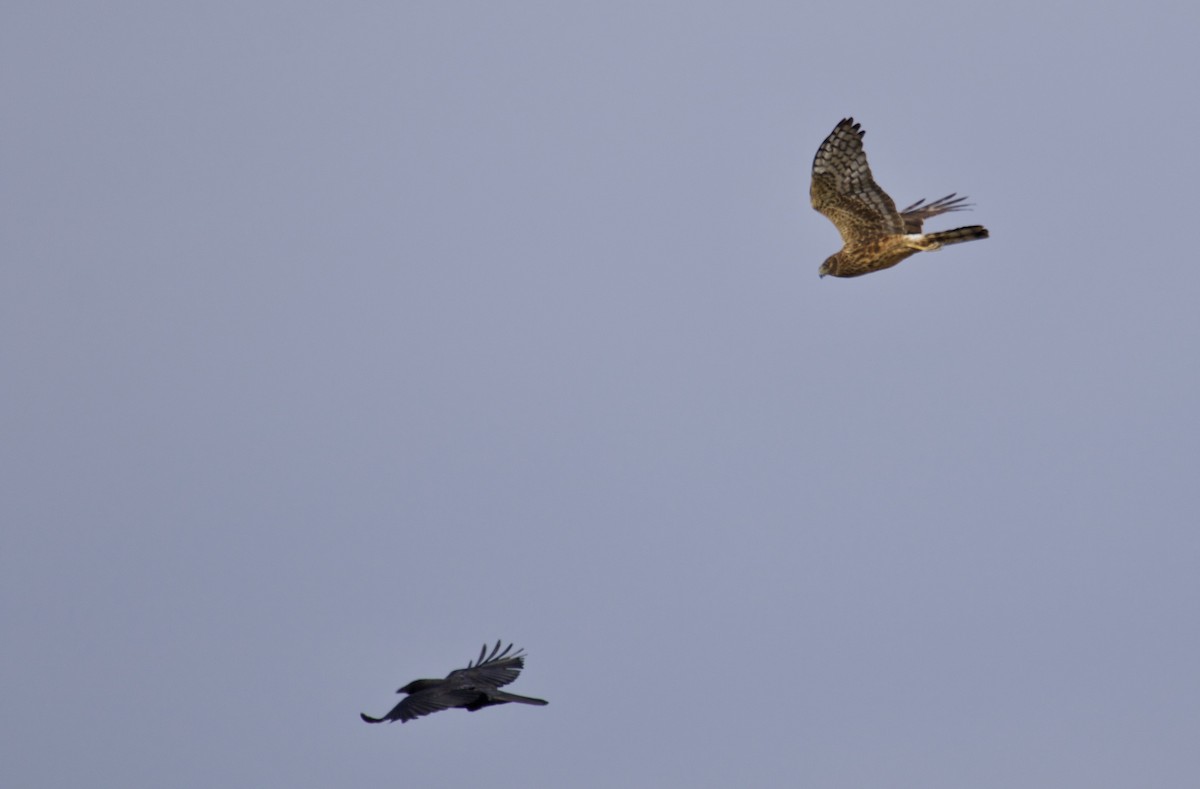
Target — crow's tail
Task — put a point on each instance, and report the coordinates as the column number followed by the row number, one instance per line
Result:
column 499, row 695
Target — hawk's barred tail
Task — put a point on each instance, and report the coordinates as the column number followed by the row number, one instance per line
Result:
column 958, row 235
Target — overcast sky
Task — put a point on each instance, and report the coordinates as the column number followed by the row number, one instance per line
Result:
column 339, row 339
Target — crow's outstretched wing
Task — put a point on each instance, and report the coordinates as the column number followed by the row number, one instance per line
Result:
column 489, row 671
column 426, row 702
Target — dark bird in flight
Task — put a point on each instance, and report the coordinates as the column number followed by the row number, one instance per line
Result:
column 474, row 687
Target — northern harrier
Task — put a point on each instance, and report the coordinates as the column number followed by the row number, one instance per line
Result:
column 875, row 235
column 473, row 687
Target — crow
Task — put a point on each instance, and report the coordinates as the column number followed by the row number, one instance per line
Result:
column 474, row 687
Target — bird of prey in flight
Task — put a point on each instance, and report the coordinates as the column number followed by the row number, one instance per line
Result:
column 875, row 235
column 473, row 688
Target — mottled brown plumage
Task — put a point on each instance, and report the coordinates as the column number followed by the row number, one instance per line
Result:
column 875, row 235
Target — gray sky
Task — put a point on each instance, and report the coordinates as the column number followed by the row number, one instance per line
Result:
column 338, row 340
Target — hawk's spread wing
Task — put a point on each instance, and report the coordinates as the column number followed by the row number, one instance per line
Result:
column 844, row 191
column 915, row 215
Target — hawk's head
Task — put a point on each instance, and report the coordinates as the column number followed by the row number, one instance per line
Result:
column 830, row 266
